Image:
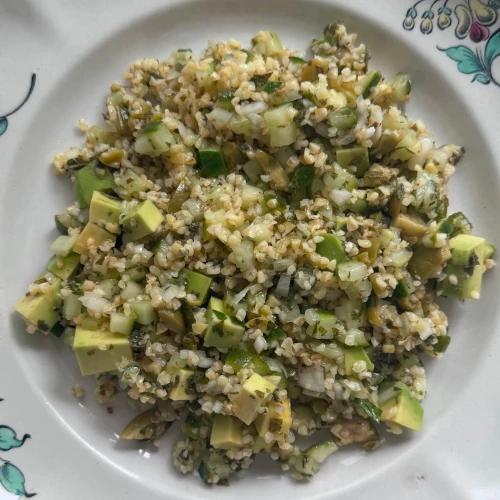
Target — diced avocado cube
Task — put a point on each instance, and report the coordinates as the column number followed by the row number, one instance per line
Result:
column 42, row 310
column 324, row 328
column 277, row 420
column 462, row 282
column 331, row 247
column 142, row 220
column 94, row 232
column 222, row 331
column 92, row 177
column 353, row 355
column 238, row 359
column 104, row 209
column 198, row 284
column 183, row 385
column 173, row 320
column 226, row 432
column 256, row 392
column 407, row 412
column 94, row 360
column 259, row 444
column 69, row 265
column 120, row 323
column 467, row 250
column 354, row 157
column 426, row 262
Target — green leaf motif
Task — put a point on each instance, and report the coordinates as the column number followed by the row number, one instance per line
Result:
column 468, row 62
column 481, row 78
column 12, row 479
column 8, row 438
column 4, row 123
column 492, row 50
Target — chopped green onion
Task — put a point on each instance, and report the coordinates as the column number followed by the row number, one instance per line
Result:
column 296, row 60
column 250, row 56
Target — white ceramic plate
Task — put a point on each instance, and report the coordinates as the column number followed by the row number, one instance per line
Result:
column 76, row 49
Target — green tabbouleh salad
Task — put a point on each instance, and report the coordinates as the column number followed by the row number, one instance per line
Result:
column 256, row 246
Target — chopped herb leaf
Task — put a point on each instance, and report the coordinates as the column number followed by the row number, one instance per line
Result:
column 271, row 87
column 220, row 316
column 302, row 177
column 373, row 411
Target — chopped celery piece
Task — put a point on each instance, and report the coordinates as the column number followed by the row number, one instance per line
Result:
column 401, row 86
column 155, row 140
column 238, row 359
column 354, row 355
column 331, row 247
column 282, row 135
column 368, row 82
column 356, row 157
column 342, row 119
column 65, row 222
column 120, row 323
column 144, row 311
column 279, row 116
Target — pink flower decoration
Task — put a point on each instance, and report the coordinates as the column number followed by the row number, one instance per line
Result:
column 478, row 32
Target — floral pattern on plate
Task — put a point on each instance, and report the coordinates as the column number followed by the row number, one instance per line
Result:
column 475, row 20
column 11, row 477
